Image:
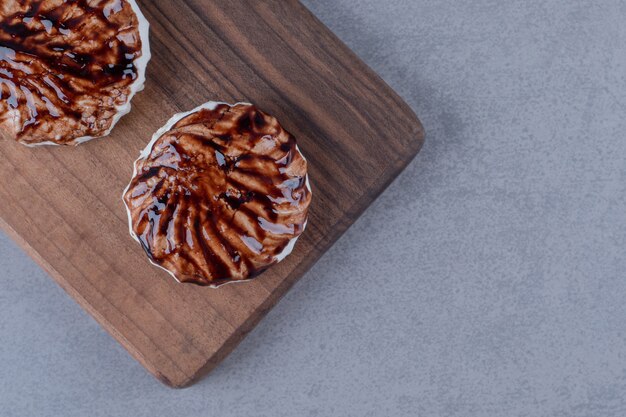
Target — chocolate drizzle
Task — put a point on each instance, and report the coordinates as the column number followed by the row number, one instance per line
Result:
column 220, row 195
column 65, row 67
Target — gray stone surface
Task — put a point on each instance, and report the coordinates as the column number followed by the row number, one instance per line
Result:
column 489, row 280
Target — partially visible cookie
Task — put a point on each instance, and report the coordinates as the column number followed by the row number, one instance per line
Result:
column 69, row 68
column 219, row 195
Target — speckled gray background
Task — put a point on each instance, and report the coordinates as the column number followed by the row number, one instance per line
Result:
column 489, row 280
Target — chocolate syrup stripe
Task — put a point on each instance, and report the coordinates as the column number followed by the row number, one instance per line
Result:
column 183, row 217
column 167, row 215
column 222, row 269
column 179, row 231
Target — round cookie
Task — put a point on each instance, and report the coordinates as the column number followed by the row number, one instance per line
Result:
column 220, row 194
column 69, row 68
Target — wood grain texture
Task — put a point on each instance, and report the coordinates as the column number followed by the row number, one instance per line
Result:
column 63, row 205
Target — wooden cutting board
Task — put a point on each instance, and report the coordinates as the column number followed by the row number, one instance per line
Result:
column 63, row 205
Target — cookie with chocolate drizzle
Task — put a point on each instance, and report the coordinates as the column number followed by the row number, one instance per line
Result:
column 219, row 195
column 69, row 68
